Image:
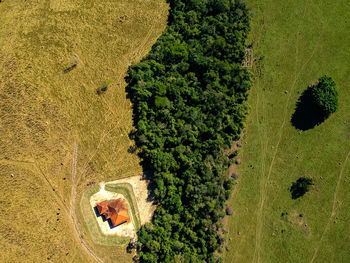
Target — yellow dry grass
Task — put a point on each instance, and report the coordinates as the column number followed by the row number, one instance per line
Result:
column 45, row 112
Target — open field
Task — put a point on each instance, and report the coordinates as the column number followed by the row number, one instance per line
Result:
column 53, row 124
column 294, row 43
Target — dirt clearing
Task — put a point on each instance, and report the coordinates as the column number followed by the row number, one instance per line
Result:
column 124, row 230
column 140, row 188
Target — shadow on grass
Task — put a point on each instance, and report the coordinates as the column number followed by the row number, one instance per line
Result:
column 147, row 172
column 69, row 69
column 306, row 115
column 295, row 192
column 151, row 186
column 300, row 187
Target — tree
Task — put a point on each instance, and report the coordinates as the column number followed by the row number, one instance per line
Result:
column 301, row 187
column 325, row 96
column 189, row 101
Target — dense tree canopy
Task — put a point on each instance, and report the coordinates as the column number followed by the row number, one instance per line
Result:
column 189, row 98
column 325, row 96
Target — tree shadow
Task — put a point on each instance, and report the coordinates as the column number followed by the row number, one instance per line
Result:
column 147, row 171
column 151, row 185
column 296, row 192
column 306, row 115
column 69, row 69
column 300, row 187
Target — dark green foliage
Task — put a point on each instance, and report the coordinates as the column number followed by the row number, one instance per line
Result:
column 325, row 96
column 189, row 98
column 316, row 104
column 300, row 187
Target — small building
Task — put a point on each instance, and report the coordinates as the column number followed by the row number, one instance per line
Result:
column 115, row 210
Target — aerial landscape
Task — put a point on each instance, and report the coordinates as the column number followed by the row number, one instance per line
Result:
column 175, row 131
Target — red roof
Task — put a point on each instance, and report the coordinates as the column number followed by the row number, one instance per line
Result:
column 102, row 207
column 116, row 210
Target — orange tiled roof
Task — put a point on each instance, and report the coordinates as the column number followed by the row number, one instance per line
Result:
column 116, row 210
column 102, row 207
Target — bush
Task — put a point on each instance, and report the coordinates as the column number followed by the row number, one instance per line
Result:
column 300, row 187
column 235, row 175
column 229, row 211
column 105, row 86
column 325, row 96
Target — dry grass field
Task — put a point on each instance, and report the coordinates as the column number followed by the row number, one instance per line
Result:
column 47, row 111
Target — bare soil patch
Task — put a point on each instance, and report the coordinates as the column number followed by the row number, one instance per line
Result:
column 140, row 187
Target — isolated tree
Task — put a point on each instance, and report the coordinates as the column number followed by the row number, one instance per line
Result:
column 325, row 96
column 301, row 187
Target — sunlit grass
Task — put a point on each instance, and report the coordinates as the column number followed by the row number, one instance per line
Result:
column 295, row 42
column 45, row 110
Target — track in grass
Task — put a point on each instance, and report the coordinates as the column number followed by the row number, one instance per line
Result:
column 292, row 48
column 46, row 110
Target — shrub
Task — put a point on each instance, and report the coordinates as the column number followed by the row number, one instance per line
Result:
column 235, row 175
column 229, row 211
column 325, row 96
column 105, row 86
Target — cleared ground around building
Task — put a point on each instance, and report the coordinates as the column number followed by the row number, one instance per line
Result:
column 51, row 115
column 295, row 43
column 135, row 191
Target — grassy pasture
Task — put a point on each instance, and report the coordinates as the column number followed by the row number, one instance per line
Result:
column 294, row 42
column 45, row 112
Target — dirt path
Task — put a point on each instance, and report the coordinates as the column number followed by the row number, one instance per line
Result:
column 256, row 257
column 72, row 202
column 340, row 178
column 59, row 199
column 259, row 225
column 266, row 180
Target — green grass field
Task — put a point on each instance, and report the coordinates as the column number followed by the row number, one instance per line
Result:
column 46, row 113
column 295, row 43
